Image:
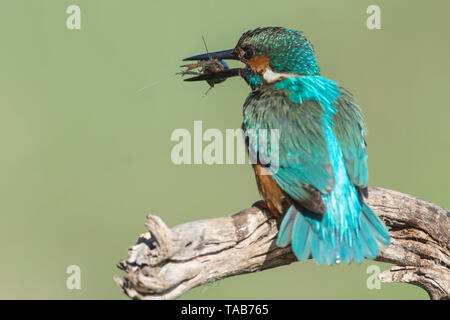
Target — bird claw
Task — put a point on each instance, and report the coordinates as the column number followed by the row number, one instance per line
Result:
column 261, row 204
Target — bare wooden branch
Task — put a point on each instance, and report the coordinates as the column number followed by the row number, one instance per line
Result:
column 165, row 263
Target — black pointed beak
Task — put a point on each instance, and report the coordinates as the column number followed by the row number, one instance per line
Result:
column 220, row 76
column 220, row 55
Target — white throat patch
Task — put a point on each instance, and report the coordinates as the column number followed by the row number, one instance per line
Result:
column 272, row 77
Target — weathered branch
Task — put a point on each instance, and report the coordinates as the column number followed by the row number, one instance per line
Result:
column 166, row 263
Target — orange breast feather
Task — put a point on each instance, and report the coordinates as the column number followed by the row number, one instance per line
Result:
column 275, row 198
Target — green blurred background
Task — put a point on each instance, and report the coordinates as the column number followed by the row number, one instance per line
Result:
column 84, row 157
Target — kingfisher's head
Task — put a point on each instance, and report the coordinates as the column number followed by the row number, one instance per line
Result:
column 270, row 54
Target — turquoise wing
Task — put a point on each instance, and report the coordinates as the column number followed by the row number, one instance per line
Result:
column 304, row 170
column 350, row 129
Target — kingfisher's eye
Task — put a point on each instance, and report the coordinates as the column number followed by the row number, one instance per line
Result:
column 249, row 53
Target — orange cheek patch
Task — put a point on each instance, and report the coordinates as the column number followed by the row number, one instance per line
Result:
column 259, row 64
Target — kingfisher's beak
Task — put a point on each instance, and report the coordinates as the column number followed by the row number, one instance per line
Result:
column 218, row 55
column 220, row 76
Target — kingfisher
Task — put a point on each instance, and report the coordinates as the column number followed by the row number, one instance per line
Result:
column 320, row 185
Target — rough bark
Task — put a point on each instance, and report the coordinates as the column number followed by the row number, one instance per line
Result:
column 165, row 263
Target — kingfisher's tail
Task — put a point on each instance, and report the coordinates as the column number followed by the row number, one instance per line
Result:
column 308, row 235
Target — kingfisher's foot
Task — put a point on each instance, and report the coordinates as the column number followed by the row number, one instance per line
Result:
column 261, row 204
